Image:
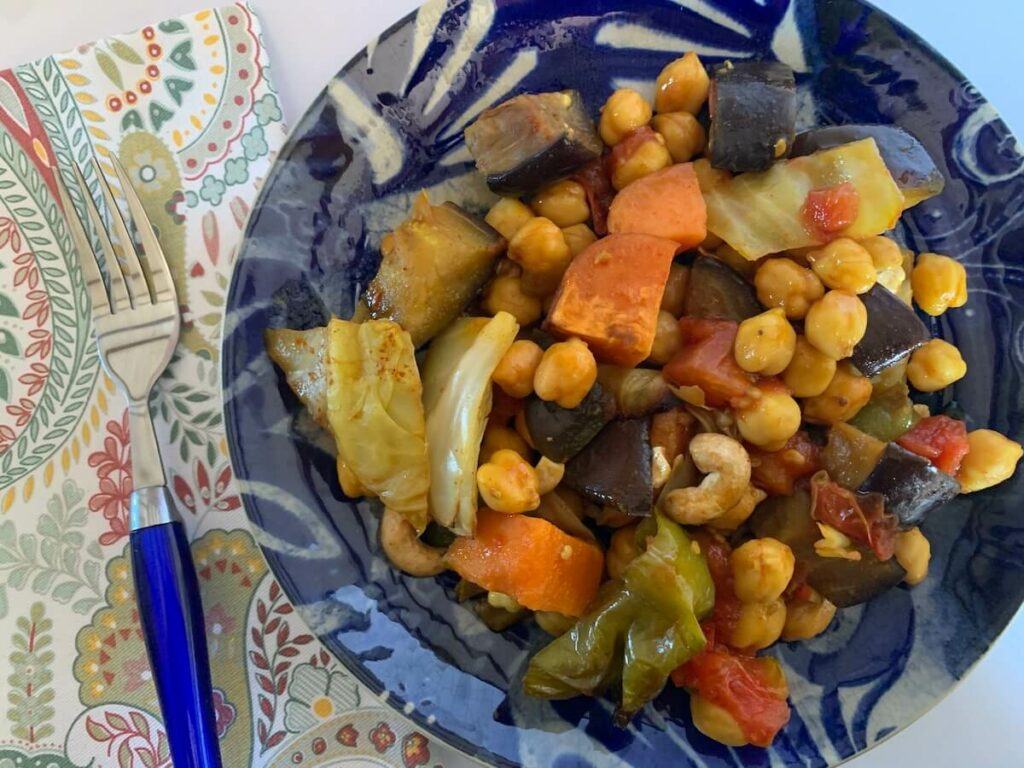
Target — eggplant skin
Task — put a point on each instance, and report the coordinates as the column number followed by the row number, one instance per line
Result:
column 894, row 331
column 716, row 290
column 560, row 433
column 615, row 468
column 908, row 161
column 843, row 582
column 532, row 139
column 912, row 486
column 753, row 115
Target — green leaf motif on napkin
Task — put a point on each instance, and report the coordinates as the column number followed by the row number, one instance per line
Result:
column 55, row 562
column 31, row 695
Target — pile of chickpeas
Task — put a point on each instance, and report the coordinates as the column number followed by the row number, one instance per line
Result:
column 813, row 319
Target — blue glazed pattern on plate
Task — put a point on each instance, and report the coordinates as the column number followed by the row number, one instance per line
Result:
column 389, row 125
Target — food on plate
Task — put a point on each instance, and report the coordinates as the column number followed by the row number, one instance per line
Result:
column 663, row 404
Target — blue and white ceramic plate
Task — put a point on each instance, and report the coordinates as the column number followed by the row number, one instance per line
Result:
column 391, row 124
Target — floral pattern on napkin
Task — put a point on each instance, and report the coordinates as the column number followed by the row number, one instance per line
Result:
column 187, row 107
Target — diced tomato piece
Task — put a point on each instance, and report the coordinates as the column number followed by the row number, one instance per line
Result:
column 861, row 516
column 716, row 551
column 830, row 210
column 940, row 439
column 776, row 472
column 706, row 361
column 593, row 177
column 753, row 690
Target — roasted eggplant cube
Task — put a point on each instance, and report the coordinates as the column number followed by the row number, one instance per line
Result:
column 716, row 290
column 843, row 582
column 532, row 139
column 615, row 468
column 560, row 433
column 912, row 485
column 432, row 266
column 753, row 115
column 907, row 160
column 894, row 331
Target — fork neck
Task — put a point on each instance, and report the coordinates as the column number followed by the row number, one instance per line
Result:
column 147, row 467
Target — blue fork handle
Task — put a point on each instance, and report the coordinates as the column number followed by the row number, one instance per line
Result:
column 172, row 619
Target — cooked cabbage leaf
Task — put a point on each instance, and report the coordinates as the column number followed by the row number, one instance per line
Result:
column 375, row 409
column 457, row 395
column 762, row 213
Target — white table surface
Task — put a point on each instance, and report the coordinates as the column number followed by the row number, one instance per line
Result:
column 977, row 725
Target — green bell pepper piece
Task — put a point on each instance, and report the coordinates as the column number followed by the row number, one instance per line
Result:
column 641, row 628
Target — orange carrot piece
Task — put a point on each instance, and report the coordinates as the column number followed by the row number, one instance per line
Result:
column 667, row 203
column 541, row 566
column 610, row 295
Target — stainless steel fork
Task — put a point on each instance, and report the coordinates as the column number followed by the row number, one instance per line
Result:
column 136, row 325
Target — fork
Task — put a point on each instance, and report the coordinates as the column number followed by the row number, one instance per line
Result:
column 136, row 325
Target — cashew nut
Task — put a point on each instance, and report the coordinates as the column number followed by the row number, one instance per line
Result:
column 727, row 468
column 738, row 513
column 404, row 549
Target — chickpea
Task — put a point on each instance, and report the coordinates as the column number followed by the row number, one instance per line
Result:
column 539, row 247
column 809, row 372
column 682, row 86
column 807, row 618
column 759, row 625
column 684, row 135
column 668, row 339
column 885, row 252
column 514, row 373
column 622, row 550
column 506, row 294
column 761, row 570
column 769, row 419
column 935, row 366
column 564, row 202
column 674, row 297
column 939, row 283
column 844, row 396
column 715, row 722
column 836, row 323
column 566, row 373
column 845, row 265
column 553, row 623
column 508, row 484
column 508, row 215
column 549, row 474
column 498, row 438
column 652, row 155
column 507, row 267
column 765, row 343
column 992, row 458
column 785, row 284
column 624, row 112
column 913, row 552
column 578, row 237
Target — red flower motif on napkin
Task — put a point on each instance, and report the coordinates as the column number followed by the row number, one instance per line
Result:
column 415, row 750
column 383, row 737
column 113, row 465
column 200, row 496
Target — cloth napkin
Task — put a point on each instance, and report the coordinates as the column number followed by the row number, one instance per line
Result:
column 188, row 107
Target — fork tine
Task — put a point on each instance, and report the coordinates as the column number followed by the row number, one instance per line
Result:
column 86, row 258
column 118, row 291
column 152, row 253
column 136, row 279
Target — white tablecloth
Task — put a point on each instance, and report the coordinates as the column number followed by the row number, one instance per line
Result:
column 978, row 724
